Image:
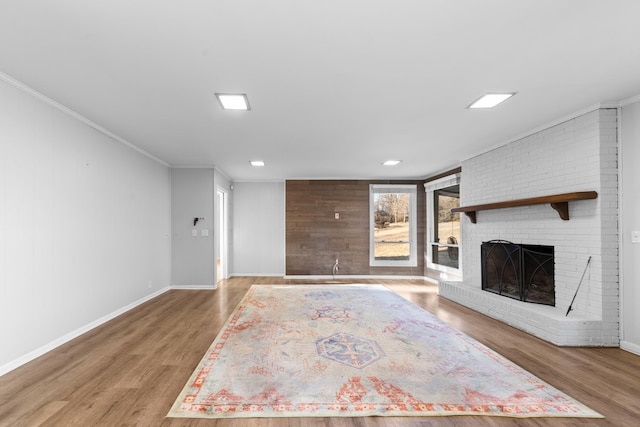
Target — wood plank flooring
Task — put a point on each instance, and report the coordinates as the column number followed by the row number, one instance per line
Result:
column 129, row 371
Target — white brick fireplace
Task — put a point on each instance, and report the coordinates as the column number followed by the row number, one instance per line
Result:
column 577, row 155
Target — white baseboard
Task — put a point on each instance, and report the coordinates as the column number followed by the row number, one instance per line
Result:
column 256, row 275
column 355, row 277
column 194, row 287
column 630, row 347
column 7, row 367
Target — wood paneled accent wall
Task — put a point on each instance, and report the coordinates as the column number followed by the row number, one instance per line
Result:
column 314, row 238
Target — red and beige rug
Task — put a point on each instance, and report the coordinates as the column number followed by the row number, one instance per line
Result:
column 355, row 350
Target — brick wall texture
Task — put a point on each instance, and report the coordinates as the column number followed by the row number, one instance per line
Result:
column 577, row 155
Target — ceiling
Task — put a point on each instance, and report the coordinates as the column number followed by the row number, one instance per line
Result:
column 335, row 87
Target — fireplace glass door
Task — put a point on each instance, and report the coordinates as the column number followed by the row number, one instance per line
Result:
column 519, row 271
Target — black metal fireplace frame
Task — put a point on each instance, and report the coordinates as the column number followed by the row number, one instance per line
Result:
column 516, row 257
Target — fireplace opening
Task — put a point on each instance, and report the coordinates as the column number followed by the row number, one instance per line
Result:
column 519, row 271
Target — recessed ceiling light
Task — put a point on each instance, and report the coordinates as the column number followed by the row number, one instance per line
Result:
column 233, row 101
column 257, row 163
column 490, row 100
column 392, row 162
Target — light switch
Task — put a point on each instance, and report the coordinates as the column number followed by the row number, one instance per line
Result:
column 336, row 215
column 194, row 233
column 635, row 236
column 204, row 233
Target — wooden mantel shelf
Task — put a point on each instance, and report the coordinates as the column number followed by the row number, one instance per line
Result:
column 559, row 202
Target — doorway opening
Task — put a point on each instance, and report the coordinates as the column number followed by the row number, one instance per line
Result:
column 221, row 261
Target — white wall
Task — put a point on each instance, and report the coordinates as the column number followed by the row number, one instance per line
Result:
column 84, row 225
column 630, row 252
column 258, row 229
column 192, row 196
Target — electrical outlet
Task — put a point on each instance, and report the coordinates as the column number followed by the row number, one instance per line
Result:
column 635, row 236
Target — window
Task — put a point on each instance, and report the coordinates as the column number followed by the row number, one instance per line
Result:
column 444, row 234
column 393, row 225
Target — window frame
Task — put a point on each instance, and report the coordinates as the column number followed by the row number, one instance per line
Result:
column 431, row 188
column 412, row 190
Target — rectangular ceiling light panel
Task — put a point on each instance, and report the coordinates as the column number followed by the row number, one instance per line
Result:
column 233, row 101
column 490, row 100
column 391, row 162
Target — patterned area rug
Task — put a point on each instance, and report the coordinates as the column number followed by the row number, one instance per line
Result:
column 355, row 350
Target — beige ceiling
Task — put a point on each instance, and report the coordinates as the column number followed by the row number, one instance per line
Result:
column 336, row 87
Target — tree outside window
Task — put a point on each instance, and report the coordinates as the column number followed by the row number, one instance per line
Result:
column 393, row 227
column 446, row 234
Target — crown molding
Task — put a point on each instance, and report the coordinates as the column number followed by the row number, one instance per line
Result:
column 629, row 101
column 548, row 125
column 45, row 99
